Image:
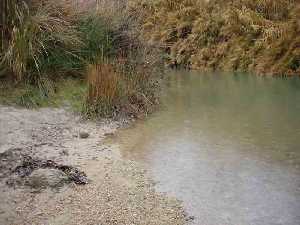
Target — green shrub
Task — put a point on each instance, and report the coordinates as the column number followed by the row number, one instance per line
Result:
column 42, row 29
column 98, row 38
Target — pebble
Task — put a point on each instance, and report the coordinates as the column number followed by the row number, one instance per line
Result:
column 190, row 218
column 65, row 152
column 83, row 134
column 109, row 134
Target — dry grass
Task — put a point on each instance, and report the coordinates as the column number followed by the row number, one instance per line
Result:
column 260, row 36
column 102, row 83
column 123, row 83
column 51, row 39
column 114, row 89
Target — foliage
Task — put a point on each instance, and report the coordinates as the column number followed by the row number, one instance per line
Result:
column 38, row 32
column 97, row 36
column 261, row 36
column 65, row 91
column 123, row 71
column 47, row 41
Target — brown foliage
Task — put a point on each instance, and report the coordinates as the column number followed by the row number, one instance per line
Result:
column 102, row 83
column 259, row 36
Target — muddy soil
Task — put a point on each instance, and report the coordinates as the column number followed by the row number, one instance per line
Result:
column 56, row 169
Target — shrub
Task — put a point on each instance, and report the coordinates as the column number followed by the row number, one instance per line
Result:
column 123, row 70
column 50, row 38
column 250, row 35
column 39, row 31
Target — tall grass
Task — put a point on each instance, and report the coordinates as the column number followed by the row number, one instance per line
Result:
column 99, row 43
column 260, row 36
column 102, row 89
column 37, row 31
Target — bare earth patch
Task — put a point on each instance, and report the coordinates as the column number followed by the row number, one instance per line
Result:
column 118, row 190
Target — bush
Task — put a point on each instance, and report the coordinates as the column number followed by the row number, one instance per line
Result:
column 51, row 40
column 251, row 35
column 122, row 71
column 38, row 32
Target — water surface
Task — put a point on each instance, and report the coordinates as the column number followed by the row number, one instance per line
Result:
column 228, row 146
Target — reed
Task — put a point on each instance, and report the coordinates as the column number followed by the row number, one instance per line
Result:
column 259, row 36
column 102, row 83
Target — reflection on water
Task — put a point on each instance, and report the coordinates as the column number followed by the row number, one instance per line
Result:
column 227, row 145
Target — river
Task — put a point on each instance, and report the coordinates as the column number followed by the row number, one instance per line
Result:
column 227, row 145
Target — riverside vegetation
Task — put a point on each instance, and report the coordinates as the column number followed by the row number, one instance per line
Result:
column 52, row 52
column 259, row 36
column 105, row 58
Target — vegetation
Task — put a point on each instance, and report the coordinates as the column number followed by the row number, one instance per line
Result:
column 261, row 36
column 111, row 51
column 45, row 44
column 68, row 92
column 37, row 33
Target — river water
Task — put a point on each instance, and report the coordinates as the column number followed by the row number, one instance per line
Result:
column 227, row 145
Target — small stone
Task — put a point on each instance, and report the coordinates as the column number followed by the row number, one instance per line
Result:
column 84, row 134
column 190, row 218
column 109, row 134
column 65, row 152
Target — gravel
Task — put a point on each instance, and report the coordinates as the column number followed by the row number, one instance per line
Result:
column 119, row 191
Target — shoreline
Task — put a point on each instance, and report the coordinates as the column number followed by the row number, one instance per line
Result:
column 119, row 191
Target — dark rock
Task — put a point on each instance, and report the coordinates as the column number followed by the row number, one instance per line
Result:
column 75, row 175
column 190, row 218
column 83, row 135
column 27, row 166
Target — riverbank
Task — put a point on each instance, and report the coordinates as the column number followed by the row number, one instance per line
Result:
column 54, row 47
column 118, row 191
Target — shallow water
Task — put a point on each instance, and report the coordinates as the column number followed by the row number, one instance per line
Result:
column 228, row 146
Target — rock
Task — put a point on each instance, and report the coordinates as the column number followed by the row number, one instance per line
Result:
column 109, row 134
column 64, row 152
column 74, row 174
column 190, row 218
column 43, row 178
column 83, row 134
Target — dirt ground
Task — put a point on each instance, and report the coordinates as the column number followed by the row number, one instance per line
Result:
column 118, row 191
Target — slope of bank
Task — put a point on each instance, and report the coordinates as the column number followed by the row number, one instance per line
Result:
column 118, row 192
